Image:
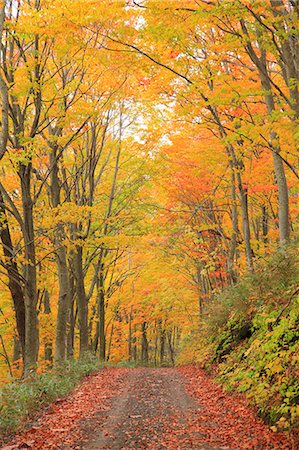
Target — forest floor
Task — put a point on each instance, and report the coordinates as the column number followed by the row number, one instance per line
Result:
column 144, row 408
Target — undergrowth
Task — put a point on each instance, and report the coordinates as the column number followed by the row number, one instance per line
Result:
column 250, row 336
column 20, row 399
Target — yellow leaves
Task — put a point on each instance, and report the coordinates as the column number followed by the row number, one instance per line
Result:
column 29, row 21
column 67, row 213
column 275, row 366
column 176, row 225
column 254, row 345
column 117, row 241
column 22, row 84
column 283, row 423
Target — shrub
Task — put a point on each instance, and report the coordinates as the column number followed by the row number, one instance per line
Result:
column 268, row 370
column 21, row 398
column 251, row 335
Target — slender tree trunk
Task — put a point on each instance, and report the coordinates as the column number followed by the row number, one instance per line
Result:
column 30, row 288
column 72, row 319
column 48, row 343
column 91, row 320
column 64, row 299
column 233, row 243
column 236, row 168
column 5, row 355
column 245, row 224
column 81, row 299
column 171, row 349
column 134, row 344
column 156, row 341
column 244, row 210
column 101, row 306
column 63, row 305
column 162, row 346
column 289, row 49
column 110, row 342
column 130, row 340
column 265, row 218
column 144, row 344
column 95, row 344
column 283, row 192
column 200, row 289
column 14, row 277
column 3, row 92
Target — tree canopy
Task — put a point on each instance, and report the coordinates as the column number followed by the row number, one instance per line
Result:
column 149, row 160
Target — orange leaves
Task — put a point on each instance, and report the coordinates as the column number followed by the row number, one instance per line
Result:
column 145, row 82
column 174, row 54
column 195, row 140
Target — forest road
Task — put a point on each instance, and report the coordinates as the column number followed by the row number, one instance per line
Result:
column 154, row 409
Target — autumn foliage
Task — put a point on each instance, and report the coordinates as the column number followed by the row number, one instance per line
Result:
column 149, row 165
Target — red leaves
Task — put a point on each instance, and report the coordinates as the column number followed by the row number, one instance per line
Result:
column 226, row 419
column 60, row 423
column 151, row 408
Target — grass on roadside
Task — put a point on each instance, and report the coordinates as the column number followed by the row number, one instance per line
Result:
column 19, row 399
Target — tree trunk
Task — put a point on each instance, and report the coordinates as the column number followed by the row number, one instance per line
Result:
column 17, row 349
column 171, row 348
column 237, row 167
column 245, row 224
column 63, row 305
column 144, row 344
column 283, row 193
column 110, row 341
column 265, row 218
column 134, row 344
column 82, row 302
column 101, row 306
column 14, row 277
column 30, row 288
column 48, row 342
column 72, row 319
column 233, row 243
column 289, row 49
column 130, row 341
column 3, row 91
column 162, row 346
column 64, row 299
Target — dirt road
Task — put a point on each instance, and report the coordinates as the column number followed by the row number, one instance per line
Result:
column 152, row 401
column 145, row 408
